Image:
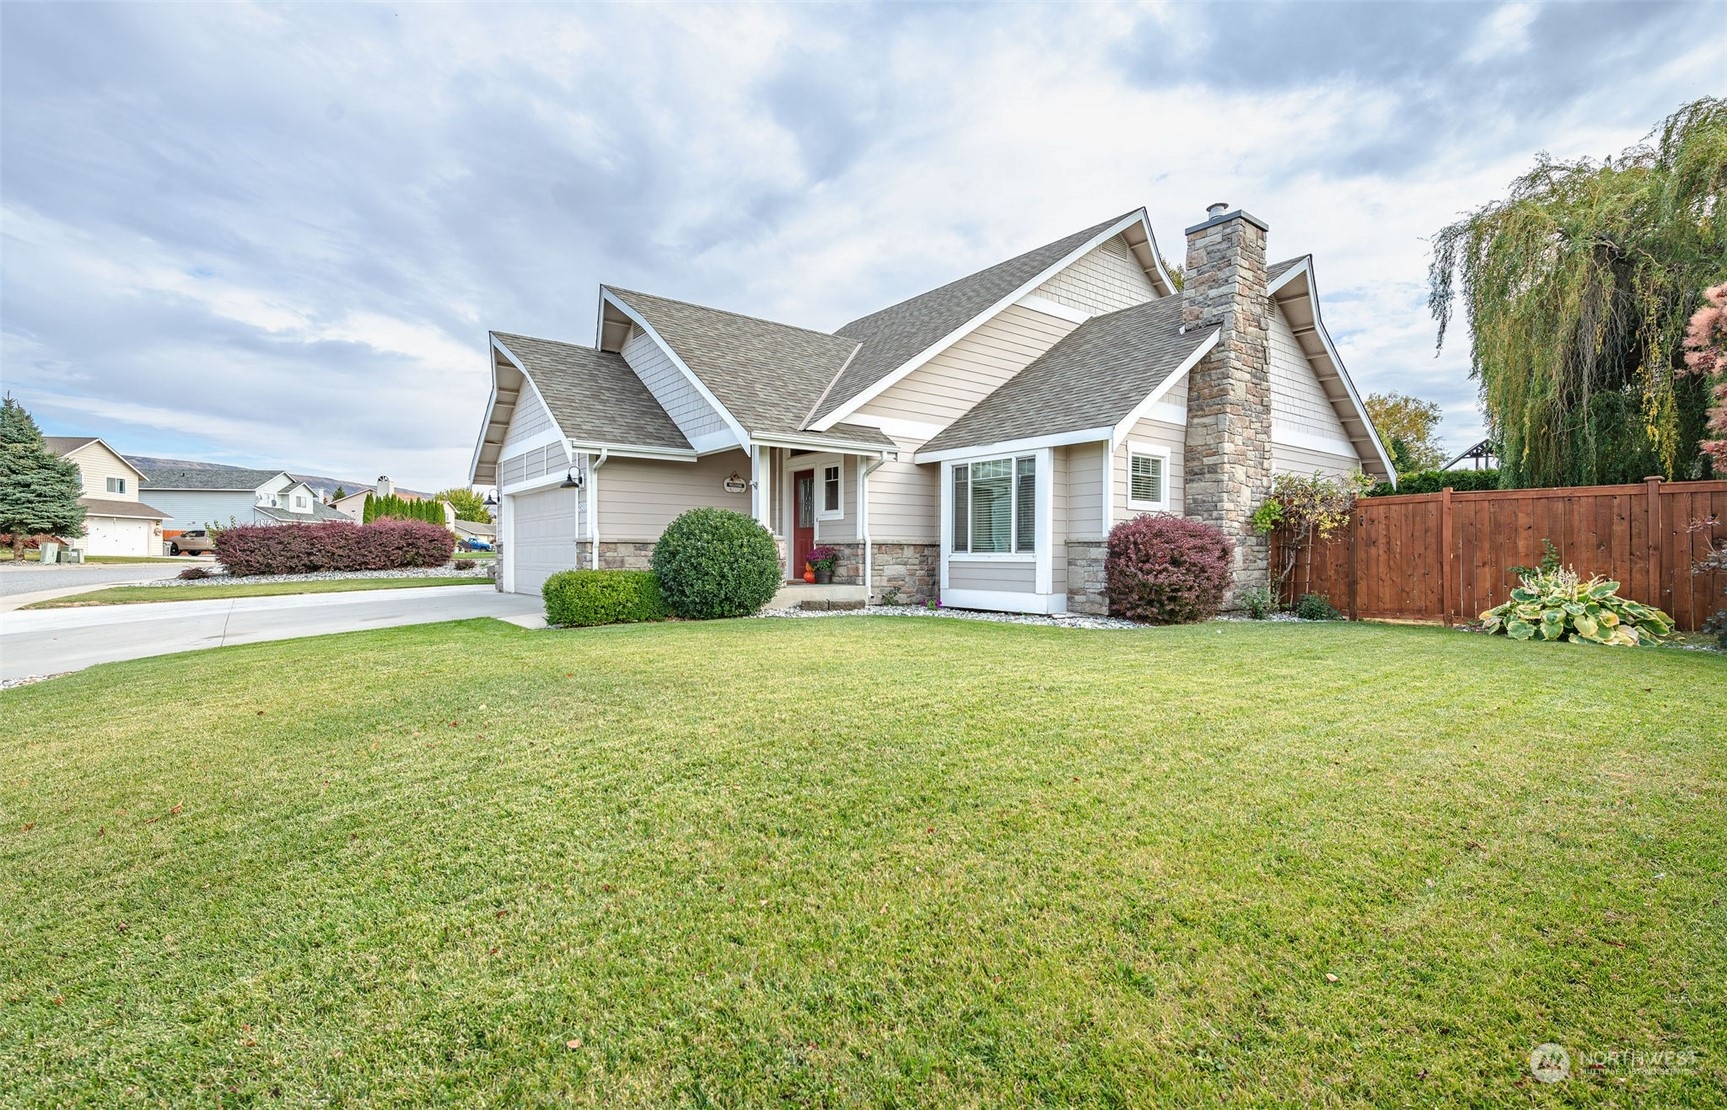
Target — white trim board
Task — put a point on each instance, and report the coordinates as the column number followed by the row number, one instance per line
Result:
column 1004, row 601
column 1013, row 446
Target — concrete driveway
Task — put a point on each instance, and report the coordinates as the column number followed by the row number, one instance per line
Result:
column 48, row 641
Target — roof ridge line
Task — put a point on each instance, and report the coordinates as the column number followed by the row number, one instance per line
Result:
column 810, row 416
column 723, row 311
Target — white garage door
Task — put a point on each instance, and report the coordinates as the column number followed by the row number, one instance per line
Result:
column 116, row 535
column 542, row 537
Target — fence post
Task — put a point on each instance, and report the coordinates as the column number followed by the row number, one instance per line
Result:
column 1354, row 546
column 1446, row 586
column 1657, row 580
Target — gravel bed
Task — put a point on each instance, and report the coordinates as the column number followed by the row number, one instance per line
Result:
column 1068, row 620
column 478, row 574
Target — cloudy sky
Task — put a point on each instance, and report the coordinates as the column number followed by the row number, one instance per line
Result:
column 278, row 235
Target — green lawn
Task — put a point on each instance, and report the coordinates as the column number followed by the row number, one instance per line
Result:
column 133, row 595
column 865, row 861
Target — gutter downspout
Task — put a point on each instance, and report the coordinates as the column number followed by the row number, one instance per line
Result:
column 863, row 520
column 594, row 464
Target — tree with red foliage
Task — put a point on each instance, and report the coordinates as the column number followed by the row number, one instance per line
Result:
column 1706, row 356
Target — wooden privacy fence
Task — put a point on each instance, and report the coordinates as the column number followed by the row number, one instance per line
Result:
column 1447, row 556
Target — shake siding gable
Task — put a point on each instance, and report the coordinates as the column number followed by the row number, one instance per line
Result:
column 1298, row 401
column 1106, row 280
column 529, row 420
column 639, row 497
column 687, row 407
column 948, row 385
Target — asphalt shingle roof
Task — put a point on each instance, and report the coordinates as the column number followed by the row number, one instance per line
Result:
column 102, row 506
column 63, row 445
column 1092, row 378
column 594, row 394
column 768, row 375
column 898, row 333
column 212, row 476
column 320, row 514
column 1275, row 270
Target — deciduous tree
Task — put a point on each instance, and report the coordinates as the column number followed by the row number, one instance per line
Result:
column 1407, row 425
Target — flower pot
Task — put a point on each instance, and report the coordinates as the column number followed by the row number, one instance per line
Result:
column 824, row 575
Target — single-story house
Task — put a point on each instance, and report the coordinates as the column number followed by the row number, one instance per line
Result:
column 353, row 505
column 116, row 522
column 211, row 493
column 976, row 442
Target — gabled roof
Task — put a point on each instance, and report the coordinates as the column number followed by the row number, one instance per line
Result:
column 593, row 395
column 320, row 514
column 1093, row 378
column 232, row 479
column 65, row 445
column 766, row 374
column 899, row 333
column 102, row 506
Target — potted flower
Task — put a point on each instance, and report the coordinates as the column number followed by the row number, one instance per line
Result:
column 823, row 560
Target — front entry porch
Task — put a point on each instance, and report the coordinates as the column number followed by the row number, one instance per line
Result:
column 803, row 595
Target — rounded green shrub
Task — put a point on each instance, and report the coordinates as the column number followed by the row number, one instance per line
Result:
column 715, row 563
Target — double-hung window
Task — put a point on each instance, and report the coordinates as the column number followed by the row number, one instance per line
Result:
column 1147, row 478
column 831, row 498
column 995, row 506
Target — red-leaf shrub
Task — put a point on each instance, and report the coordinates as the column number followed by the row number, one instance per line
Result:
column 1165, row 569
column 307, row 548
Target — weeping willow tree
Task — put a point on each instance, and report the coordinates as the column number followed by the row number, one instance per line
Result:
column 1577, row 289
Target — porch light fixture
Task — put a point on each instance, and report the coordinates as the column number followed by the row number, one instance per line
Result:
column 573, row 480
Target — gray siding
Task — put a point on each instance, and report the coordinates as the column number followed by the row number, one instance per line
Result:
column 529, row 419
column 1298, row 401
column 687, row 407
column 639, row 497
column 188, row 509
column 536, row 462
column 905, row 500
column 1157, row 433
column 1012, row 575
column 1084, row 484
column 1301, row 460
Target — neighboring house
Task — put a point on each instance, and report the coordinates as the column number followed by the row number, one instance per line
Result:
column 353, row 506
column 976, row 442
column 195, row 497
column 474, row 530
column 116, row 522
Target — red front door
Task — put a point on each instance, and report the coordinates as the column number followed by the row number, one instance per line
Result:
column 804, row 519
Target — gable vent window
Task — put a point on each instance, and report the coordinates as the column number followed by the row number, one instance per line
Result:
column 116, row 485
column 995, row 507
column 1146, row 479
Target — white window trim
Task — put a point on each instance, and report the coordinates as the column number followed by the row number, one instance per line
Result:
column 821, row 490
column 1156, row 451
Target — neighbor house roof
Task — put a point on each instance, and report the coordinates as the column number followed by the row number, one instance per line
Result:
column 899, row 333
column 102, row 506
column 211, row 477
column 1094, row 377
column 594, row 395
column 319, row 514
column 766, row 374
column 65, row 445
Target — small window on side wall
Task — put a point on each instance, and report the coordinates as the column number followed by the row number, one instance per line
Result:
column 116, row 485
column 831, row 490
column 1147, row 480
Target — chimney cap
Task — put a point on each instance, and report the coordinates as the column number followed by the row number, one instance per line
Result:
column 1215, row 214
column 1216, row 209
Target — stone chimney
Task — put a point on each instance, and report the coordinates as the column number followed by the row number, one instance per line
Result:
column 1229, row 393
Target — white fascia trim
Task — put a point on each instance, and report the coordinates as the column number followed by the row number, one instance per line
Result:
column 743, row 437
column 1289, row 275
column 852, row 404
column 1054, row 308
column 141, row 475
column 629, row 451
column 512, row 448
column 1140, row 410
column 843, row 447
column 1013, row 446
column 915, row 430
column 528, row 382
column 713, row 443
column 1157, row 255
column 1004, row 601
column 1343, row 374
column 533, row 485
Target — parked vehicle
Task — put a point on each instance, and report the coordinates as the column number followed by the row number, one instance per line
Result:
column 475, row 544
column 195, row 542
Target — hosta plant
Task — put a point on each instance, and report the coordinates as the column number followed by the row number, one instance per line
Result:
column 1559, row 605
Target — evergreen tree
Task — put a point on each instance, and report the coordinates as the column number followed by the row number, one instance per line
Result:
column 339, row 494
column 38, row 491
